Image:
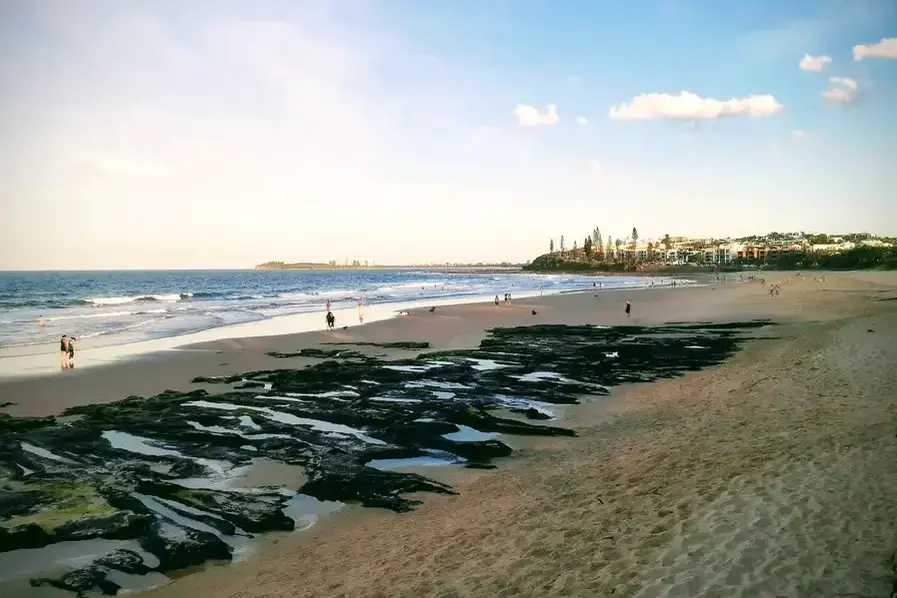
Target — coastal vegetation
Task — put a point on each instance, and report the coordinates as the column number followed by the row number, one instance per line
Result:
column 774, row 251
column 858, row 258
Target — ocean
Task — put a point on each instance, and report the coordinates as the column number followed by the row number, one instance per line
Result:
column 123, row 307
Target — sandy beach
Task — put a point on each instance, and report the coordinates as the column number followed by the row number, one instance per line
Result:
column 774, row 474
column 449, row 327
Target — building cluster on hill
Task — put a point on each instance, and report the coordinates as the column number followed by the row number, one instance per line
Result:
column 680, row 250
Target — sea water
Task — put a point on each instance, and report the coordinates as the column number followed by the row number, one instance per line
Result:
column 103, row 309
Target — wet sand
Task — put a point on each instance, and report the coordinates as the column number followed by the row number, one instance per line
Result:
column 772, row 474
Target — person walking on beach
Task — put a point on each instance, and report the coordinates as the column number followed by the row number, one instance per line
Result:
column 331, row 320
column 64, row 353
column 71, row 353
column 329, row 305
column 496, row 302
column 41, row 322
column 628, row 308
column 361, row 310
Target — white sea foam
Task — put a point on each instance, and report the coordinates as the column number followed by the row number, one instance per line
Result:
column 103, row 301
column 105, row 314
column 232, row 305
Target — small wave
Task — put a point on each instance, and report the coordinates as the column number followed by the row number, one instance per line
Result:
column 105, row 314
column 24, row 303
column 104, row 301
column 140, row 324
column 294, row 296
column 90, row 316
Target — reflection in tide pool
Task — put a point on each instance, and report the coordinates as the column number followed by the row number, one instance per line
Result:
column 306, row 510
column 468, row 434
column 42, row 452
column 146, row 446
column 484, row 365
column 18, row 566
column 288, row 418
column 436, row 458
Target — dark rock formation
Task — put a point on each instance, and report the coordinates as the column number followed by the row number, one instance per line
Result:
column 86, row 580
column 394, row 345
column 320, row 354
column 164, row 470
column 179, row 547
column 81, row 582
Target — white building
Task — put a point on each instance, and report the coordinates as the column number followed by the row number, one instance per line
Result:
column 832, row 247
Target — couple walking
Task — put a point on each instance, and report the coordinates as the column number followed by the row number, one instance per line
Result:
column 67, row 352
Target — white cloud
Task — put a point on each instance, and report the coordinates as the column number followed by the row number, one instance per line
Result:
column 799, row 134
column 886, row 48
column 529, row 116
column 841, row 95
column 845, row 81
column 690, row 106
column 582, row 120
column 837, row 95
column 814, row 64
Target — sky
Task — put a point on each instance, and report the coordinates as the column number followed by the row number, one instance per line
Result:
column 224, row 133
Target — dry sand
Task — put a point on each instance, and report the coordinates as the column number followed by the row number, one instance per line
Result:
column 774, row 474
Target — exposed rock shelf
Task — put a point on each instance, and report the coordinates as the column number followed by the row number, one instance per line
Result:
column 164, row 472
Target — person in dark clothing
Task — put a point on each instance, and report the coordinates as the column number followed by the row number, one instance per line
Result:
column 331, row 320
column 71, row 352
column 64, row 352
column 628, row 308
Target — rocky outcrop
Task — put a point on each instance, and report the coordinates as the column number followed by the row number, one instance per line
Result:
column 164, row 470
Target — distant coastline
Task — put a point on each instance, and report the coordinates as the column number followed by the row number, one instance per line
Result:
column 485, row 268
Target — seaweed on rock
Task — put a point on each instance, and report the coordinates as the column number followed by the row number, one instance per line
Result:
column 320, row 354
column 165, row 471
column 410, row 345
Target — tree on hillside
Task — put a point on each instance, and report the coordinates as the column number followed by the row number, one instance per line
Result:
column 650, row 250
column 609, row 250
column 666, row 242
column 574, row 245
column 587, row 246
column 597, row 240
column 551, row 246
column 634, row 237
column 818, row 239
column 562, row 244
